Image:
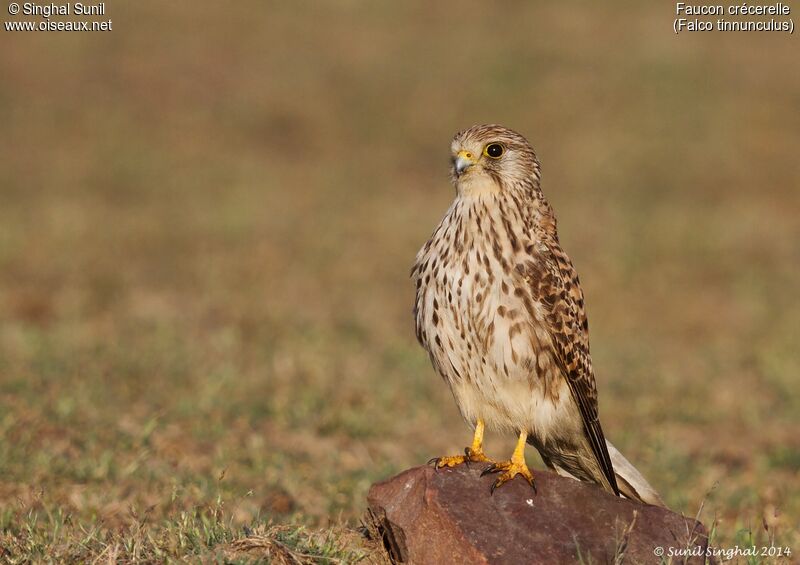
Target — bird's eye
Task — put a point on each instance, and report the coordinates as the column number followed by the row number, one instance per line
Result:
column 493, row 150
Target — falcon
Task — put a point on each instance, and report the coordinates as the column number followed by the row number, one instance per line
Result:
column 500, row 310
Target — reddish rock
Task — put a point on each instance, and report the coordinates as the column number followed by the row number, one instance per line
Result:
column 449, row 516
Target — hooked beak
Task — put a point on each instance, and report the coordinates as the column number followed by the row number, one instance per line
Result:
column 464, row 160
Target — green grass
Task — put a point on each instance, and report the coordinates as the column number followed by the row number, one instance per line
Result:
column 206, row 228
column 204, row 534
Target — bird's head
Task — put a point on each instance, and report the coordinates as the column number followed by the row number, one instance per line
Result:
column 488, row 159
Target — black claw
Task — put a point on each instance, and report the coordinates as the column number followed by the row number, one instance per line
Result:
column 533, row 486
column 490, row 469
column 494, row 486
column 435, row 462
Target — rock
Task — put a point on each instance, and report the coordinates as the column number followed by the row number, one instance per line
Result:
column 449, row 516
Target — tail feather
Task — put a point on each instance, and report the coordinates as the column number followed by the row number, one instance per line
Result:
column 630, row 481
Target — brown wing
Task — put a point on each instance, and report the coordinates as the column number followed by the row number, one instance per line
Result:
column 554, row 285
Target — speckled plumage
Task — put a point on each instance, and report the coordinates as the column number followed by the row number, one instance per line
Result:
column 500, row 310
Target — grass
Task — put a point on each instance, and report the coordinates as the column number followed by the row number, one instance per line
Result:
column 206, row 227
column 204, row 534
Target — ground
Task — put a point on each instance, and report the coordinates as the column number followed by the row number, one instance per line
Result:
column 208, row 219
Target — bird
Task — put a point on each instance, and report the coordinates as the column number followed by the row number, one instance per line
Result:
column 500, row 310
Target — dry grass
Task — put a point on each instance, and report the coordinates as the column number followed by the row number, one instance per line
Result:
column 208, row 220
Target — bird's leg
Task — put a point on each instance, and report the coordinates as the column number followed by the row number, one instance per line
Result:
column 510, row 469
column 472, row 454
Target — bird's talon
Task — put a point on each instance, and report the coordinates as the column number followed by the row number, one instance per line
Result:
column 508, row 470
column 470, row 456
column 447, row 461
column 476, row 455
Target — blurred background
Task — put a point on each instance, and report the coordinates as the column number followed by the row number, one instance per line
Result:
column 208, row 216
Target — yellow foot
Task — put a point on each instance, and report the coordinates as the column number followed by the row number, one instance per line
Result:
column 470, row 456
column 508, row 470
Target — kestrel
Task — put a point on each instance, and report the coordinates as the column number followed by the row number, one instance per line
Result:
column 500, row 310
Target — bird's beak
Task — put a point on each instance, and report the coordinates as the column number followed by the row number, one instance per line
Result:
column 464, row 160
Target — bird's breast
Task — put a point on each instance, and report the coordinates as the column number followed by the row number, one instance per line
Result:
column 472, row 315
